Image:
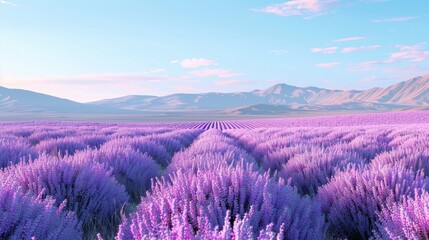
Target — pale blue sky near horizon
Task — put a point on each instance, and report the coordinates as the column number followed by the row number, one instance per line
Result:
column 91, row 50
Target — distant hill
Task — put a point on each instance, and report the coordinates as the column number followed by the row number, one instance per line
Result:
column 23, row 101
column 277, row 100
column 408, row 94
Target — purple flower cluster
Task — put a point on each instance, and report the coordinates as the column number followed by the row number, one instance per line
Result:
column 315, row 167
column 406, row 220
column 353, row 198
column 61, row 146
column 342, row 177
column 132, row 169
column 12, row 151
column 23, row 216
column 211, row 149
column 214, row 202
column 83, row 187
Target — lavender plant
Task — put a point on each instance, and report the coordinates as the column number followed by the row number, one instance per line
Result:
column 132, row 169
column 207, row 200
column 23, row 216
column 406, row 220
column 87, row 187
column 61, row 146
column 313, row 168
column 353, row 198
column 211, row 149
column 13, row 151
column 143, row 145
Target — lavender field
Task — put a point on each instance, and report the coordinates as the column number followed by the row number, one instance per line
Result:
column 338, row 177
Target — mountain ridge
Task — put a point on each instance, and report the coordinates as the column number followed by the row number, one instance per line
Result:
column 275, row 100
column 410, row 93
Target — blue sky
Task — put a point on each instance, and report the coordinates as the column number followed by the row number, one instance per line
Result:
column 90, row 50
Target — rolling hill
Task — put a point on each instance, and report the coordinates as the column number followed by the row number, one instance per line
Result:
column 408, row 94
column 279, row 99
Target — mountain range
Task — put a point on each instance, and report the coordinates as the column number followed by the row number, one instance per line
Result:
column 276, row 100
column 411, row 93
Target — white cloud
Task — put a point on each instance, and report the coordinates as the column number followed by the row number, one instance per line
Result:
column 325, row 50
column 412, row 53
column 157, row 70
column 300, row 7
column 196, row 63
column 231, row 82
column 349, row 39
column 395, row 19
column 374, row 79
column 7, row 3
column 279, row 52
column 327, row 65
column 222, row 73
column 405, row 54
column 361, row 48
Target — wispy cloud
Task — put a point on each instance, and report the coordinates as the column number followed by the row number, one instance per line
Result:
column 279, row 52
column 349, row 39
column 412, row 53
column 376, row 79
column 91, row 87
column 272, row 81
column 300, row 7
column 222, row 73
column 395, row 19
column 367, row 66
column 194, row 62
column 405, row 53
column 99, row 78
column 375, row 1
column 232, row 82
column 325, row 50
column 157, row 70
column 7, row 3
column 327, row 65
column 361, row 48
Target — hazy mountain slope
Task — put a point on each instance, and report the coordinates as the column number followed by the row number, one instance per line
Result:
column 269, row 109
column 23, row 101
column 128, row 102
column 277, row 99
column 410, row 93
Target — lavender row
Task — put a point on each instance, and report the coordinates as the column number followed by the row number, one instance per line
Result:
column 241, row 182
column 89, row 176
column 214, row 190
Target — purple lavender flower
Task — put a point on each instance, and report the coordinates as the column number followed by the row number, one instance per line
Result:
column 87, row 187
column 23, row 216
column 207, row 200
column 353, row 198
column 406, row 220
column 132, row 169
column 13, row 151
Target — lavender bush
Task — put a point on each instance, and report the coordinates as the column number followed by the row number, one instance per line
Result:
column 415, row 159
column 23, row 216
column 407, row 220
column 13, row 151
column 210, row 150
column 132, row 169
column 205, row 201
column 89, row 190
column 61, row 146
column 143, row 145
column 313, row 168
column 353, row 198
column 342, row 177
